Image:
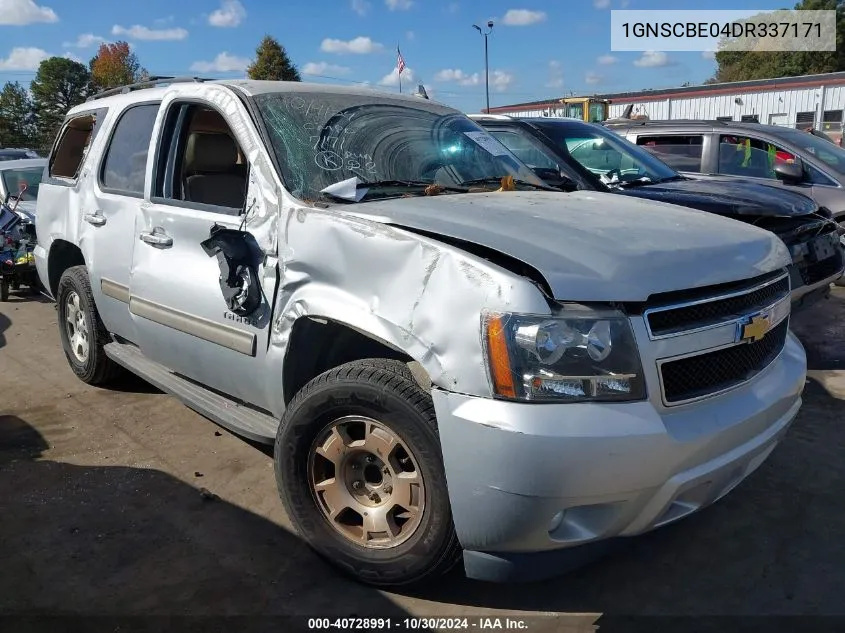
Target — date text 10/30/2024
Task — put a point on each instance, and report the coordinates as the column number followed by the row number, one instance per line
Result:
column 417, row 624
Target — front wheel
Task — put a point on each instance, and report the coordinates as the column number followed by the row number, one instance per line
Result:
column 360, row 472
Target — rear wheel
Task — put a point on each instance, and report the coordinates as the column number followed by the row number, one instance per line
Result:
column 82, row 332
column 360, row 472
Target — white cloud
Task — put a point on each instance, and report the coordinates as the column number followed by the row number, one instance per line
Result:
column 163, row 21
column 324, row 68
column 459, row 76
column 653, row 59
column 230, row 14
column 601, row 4
column 592, row 78
column 22, row 12
column 358, row 46
column 138, row 32
column 708, row 54
column 393, row 78
column 398, row 5
column 223, row 63
column 85, row 40
column 555, row 75
column 361, row 7
column 501, row 80
column 607, row 60
column 523, row 17
column 72, row 57
column 24, row 58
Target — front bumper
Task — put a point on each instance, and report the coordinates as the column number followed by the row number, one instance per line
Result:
column 539, row 478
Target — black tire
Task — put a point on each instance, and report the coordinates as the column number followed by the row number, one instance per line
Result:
column 4, row 290
column 96, row 368
column 386, row 391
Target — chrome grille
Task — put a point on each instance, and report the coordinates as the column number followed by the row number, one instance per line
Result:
column 706, row 374
column 696, row 314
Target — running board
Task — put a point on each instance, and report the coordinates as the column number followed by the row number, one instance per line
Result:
column 224, row 411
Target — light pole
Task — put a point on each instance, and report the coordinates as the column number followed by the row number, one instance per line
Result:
column 486, row 65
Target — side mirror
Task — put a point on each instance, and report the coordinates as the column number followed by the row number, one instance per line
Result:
column 791, row 172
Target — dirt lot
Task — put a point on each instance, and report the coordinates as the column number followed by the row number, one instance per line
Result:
column 101, row 512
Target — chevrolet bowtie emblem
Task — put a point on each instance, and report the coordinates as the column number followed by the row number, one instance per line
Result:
column 755, row 328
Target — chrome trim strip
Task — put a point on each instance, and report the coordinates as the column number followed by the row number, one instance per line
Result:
column 218, row 333
column 713, row 394
column 729, row 295
column 114, row 290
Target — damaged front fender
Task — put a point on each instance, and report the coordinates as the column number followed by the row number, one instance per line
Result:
column 413, row 293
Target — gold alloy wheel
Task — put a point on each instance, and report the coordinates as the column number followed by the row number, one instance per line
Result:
column 366, row 482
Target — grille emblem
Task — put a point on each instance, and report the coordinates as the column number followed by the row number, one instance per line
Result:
column 754, row 327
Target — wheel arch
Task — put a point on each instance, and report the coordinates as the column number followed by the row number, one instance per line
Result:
column 317, row 344
column 63, row 255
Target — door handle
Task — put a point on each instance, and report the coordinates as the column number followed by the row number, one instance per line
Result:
column 157, row 237
column 95, row 218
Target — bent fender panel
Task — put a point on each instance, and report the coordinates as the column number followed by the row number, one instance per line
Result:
column 418, row 295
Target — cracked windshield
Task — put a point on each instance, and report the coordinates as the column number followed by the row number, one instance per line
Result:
column 352, row 147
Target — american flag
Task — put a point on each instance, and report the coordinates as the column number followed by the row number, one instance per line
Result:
column 400, row 64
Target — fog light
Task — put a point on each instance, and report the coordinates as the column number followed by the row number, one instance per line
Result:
column 557, row 519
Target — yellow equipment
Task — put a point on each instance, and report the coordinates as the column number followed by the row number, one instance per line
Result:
column 586, row 108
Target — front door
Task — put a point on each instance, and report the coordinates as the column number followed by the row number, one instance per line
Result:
column 109, row 217
column 180, row 281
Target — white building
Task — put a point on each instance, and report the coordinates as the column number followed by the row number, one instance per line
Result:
column 817, row 100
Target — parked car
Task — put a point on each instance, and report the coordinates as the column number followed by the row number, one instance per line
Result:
column 568, row 152
column 17, row 154
column 785, row 157
column 447, row 355
column 20, row 181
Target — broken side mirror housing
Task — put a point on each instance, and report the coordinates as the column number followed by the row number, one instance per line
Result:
column 791, row 172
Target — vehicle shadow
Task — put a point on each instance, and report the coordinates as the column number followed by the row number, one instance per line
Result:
column 821, row 329
column 5, row 323
column 772, row 546
column 130, row 541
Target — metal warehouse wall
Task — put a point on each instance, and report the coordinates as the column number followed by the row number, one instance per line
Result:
column 783, row 104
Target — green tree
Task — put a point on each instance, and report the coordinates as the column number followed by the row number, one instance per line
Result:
column 59, row 85
column 114, row 65
column 16, row 116
column 272, row 63
column 747, row 65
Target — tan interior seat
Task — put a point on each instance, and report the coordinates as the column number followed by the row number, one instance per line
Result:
column 212, row 174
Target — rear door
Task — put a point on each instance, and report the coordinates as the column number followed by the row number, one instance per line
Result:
column 201, row 183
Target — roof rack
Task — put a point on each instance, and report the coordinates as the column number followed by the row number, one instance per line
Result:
column 152, row 82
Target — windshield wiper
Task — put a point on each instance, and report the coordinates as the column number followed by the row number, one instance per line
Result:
column 498, row 180
column 410, row 184
column 418, row 187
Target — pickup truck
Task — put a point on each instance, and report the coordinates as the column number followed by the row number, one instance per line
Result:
column 452, row 361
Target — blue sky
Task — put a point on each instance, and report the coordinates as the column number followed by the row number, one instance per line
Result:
column 538, row 48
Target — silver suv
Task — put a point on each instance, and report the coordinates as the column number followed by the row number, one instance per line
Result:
column 449, row 358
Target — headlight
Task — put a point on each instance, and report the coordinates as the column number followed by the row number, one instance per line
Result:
column 571, row 356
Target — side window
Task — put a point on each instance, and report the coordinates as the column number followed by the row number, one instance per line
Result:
column 815, row 177
column 204, row 165
column 525, row 149
column 125, row 164
column 72, row 144
column 682, row 152
column 750, row 157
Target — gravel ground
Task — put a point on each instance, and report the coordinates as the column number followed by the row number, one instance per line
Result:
column 123, row 502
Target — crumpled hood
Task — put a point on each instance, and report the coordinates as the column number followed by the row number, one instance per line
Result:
column 729, row 197
column 593, row 246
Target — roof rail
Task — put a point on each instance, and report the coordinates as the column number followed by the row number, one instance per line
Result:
column 152, row 82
